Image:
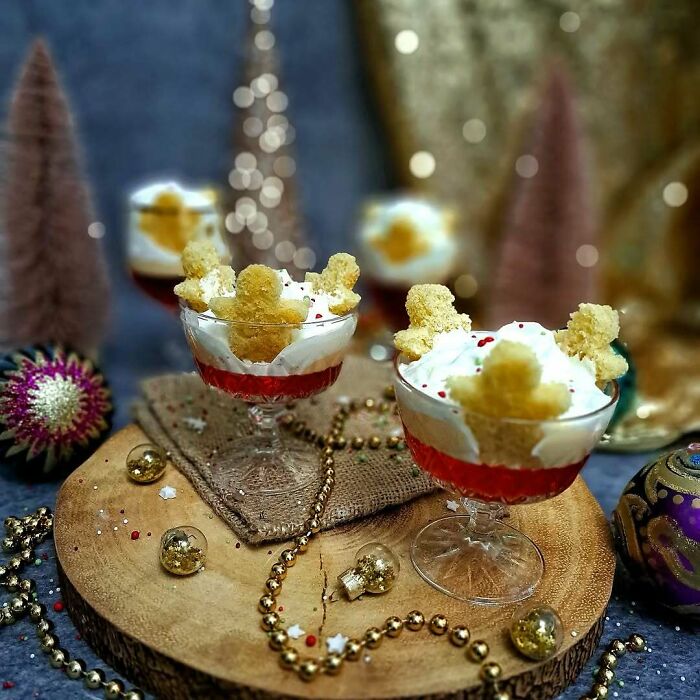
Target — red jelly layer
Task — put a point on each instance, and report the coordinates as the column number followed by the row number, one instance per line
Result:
column 266, row 389
column 493, row 483
column 158, row 288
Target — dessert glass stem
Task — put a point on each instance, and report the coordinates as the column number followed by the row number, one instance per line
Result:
column 264, row 421
column 265, row 462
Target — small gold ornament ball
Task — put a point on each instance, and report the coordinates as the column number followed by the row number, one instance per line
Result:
column 113, row 690
column 94, row 679
column 373, row 638
column 353, row 649
column 501, row 695
column 438, row 624
column 393, row 626
column 599, row 691
column 146, row 463
column 333, row 663
column 375, row 442
column 415, row 620
column 537, row 632
column 478, row 650
column 183, row 550
column 608, row 660
column 308, row 669
column 289, row 658
column 636, row 642
column 490, row 671
column 459, row 635
column 74, row 669
column 617, row 647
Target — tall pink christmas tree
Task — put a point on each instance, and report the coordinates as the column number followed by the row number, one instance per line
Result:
column 54, row 278
column 546, row 261
column 263, row 209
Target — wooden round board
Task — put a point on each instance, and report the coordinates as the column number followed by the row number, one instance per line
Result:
column 199, row 637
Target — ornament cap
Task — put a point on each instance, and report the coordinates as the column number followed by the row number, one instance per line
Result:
column 353, row 583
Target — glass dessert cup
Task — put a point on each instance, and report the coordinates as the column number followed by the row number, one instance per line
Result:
column 264, row 461
column 477, row 557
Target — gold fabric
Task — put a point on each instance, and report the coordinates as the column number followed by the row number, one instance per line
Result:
column 635, row 67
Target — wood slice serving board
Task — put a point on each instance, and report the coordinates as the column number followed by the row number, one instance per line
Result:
column 199, row 637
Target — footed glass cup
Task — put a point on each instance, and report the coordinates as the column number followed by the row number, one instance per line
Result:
column 265, row 461
column 477, row 557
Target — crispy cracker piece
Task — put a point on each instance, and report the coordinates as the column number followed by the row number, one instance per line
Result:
column 509, row 386
column 430, row 312
column 337, row 279
column 199, row 257
column 258, row 301
column 588, row 335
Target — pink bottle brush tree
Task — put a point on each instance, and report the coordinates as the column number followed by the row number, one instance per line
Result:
column 54, row 281
column 546, row 261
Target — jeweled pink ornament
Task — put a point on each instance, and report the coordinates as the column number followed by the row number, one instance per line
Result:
column 55, row 406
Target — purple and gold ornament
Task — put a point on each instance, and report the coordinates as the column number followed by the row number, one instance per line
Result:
column 55, row 406
column 657, row 528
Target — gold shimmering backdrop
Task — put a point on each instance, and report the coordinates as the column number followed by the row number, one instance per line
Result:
column 458, row 84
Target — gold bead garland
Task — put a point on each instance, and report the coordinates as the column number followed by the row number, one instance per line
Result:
column 23, row 535
column 608, row 663
column 310, row 668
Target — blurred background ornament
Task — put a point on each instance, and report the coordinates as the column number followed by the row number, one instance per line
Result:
column 146, row 463
column 547, row 239
column 53, row 274
column 376, row 570
column 163, row 218
column 262, row 206
column 183, row 550
column 55, row 407
column 657, row 528
column 536, row 631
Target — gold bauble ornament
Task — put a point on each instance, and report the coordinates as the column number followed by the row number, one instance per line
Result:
column 415, row 620
column 373, row 638
column 308, row 669
column 146, row 463
column 459, row 635
column 353, row 649
column 183, row 550
column 376, row 570
column 537, row 632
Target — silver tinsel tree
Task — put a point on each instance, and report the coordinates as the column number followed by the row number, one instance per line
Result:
column 262, row 205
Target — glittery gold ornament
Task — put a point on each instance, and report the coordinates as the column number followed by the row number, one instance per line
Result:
column 183, row 550
column 375, row 571
column 146, row 463
column 536, row 632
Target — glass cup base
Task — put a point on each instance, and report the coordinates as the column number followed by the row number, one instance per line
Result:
column 253, row 467
column 478, row 559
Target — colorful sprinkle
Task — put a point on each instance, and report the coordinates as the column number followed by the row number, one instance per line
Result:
column 484, row 341
column 135, row 535
column 58, row 606
column 442, row 394
column 310, row 640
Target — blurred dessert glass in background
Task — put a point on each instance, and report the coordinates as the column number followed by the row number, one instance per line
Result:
column 163, row 217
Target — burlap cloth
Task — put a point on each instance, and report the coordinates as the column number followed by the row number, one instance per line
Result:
column 198, row 425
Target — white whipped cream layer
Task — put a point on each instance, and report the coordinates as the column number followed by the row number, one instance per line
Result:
column 460, row 353
column 315, row 347
column 430, row 223
column 146, row 256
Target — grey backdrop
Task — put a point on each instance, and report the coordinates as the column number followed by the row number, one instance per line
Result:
column 150, row 82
